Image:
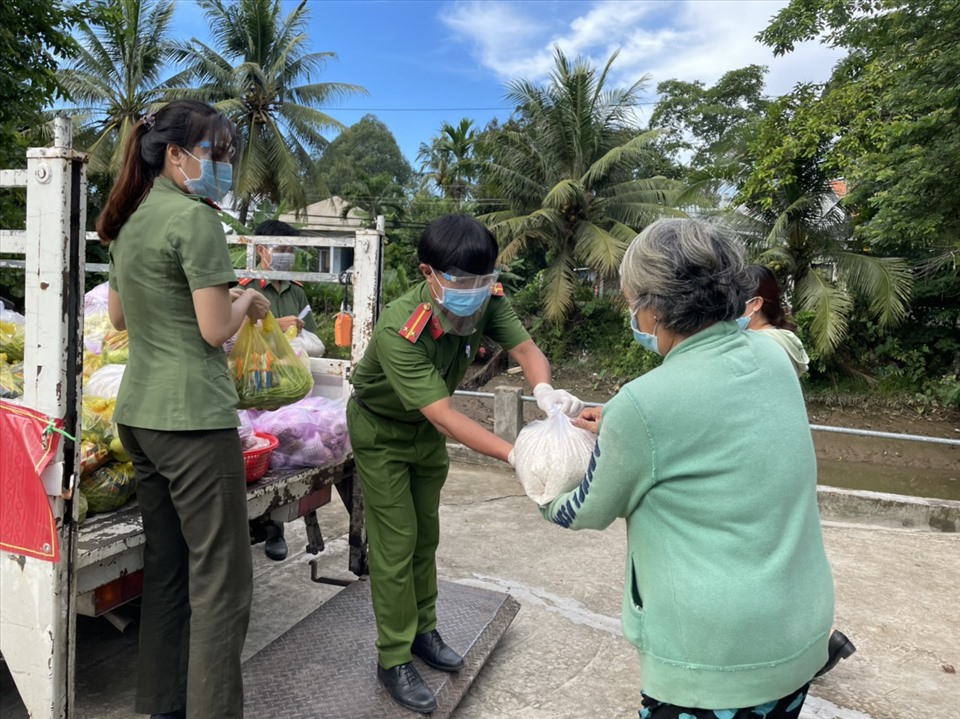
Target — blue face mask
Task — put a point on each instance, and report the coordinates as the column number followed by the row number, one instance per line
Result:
column 744, row 322
column 464, row 303
column 645, row 340
column 214, row 181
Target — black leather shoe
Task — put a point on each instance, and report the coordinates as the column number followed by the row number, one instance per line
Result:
column 435, row 652
column 275, row 546
column 838, row 648
column 182, row 714
column 407, row 688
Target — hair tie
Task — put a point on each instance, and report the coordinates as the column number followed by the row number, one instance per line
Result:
column 149, row 121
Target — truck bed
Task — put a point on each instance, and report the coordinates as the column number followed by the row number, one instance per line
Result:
column 110, row 546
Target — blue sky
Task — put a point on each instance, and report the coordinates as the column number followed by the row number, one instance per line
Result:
column 429, row 61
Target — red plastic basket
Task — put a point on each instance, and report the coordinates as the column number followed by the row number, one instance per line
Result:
column 256, row 461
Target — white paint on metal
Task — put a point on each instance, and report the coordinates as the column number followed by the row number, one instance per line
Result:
column 37, row 634
column 367, row 271
column 13, row 178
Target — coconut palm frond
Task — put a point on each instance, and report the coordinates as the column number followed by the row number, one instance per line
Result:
column 830, row 306
column 885, row 281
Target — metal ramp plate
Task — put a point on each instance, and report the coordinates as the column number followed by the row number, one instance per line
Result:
column 325, row 666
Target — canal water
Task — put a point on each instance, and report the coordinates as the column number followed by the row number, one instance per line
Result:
column 940, row 483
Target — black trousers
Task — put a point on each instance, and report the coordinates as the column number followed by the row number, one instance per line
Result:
column 197, row 570
column 787, row 707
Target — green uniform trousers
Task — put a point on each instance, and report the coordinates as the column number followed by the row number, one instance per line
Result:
column 197, row 570
column 402, row 467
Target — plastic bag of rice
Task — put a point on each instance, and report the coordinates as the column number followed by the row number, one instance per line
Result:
column 551, row 456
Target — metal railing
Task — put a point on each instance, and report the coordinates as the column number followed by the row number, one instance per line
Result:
column 814, row 427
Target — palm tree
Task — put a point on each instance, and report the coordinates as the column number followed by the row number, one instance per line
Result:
column 374, row 196
column 807, row 234
column 449, row 161
column 569, row 177
column 115, row 78
column 278, row 119
column 795, row 220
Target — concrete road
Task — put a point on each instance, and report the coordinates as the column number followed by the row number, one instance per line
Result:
column 898, row 596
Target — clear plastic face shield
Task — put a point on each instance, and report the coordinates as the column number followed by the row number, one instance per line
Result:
column 462, row 298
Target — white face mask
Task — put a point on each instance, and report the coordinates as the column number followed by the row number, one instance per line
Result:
column 281, row 261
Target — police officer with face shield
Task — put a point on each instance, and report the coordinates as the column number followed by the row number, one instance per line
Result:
column 398, row 419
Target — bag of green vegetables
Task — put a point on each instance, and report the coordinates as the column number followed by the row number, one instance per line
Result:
column 267, row 372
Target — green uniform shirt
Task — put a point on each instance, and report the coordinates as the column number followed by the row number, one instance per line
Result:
column 172, row 245
column 396, row 377
column 288, row 301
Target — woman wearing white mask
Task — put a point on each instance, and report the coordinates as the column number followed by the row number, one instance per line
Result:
column 728, row 594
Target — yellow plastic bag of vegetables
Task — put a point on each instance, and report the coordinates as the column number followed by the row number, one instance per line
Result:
column 12, row 332
column 267, row 372
column 11, row 378
column 116, row 347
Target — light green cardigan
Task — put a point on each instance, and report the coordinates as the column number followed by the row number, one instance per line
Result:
column 728, row 594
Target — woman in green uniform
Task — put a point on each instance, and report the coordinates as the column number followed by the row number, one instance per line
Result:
column 176, row 409
column 398, row 418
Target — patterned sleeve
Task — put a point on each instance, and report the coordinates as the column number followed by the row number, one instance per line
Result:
column 621, row 471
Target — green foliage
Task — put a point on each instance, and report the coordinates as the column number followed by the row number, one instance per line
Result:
column 712, row 123
column 371, row 197
column 115, row 77
column 32, row 35
column 450, row 162
column 596, row 332
column 568, row 171
column 792, row 215
column 887, row 121
column 366, row 149
column 254, row 74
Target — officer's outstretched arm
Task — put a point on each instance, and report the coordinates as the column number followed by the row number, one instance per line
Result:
column 461, row 428
column 536, row 368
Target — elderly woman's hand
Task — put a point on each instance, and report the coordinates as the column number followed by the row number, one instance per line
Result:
column 589, row 419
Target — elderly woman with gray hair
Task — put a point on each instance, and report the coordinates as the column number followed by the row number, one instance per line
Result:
column 728, row 595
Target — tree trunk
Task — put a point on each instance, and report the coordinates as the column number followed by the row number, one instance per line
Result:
column 244, row 210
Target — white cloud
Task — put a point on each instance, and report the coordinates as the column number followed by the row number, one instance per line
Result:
column 683, row 39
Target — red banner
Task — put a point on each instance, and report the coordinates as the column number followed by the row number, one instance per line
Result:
column 27, row 525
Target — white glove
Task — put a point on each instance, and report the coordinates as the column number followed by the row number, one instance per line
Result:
column 511, row 459
column 547, row 397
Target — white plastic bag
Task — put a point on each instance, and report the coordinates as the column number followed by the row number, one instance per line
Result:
column 551, row 456
column 312, row 344
column 105, row 382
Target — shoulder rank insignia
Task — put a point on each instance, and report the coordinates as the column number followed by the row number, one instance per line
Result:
column 244, row 281
column 497, row 290
column 413, row 327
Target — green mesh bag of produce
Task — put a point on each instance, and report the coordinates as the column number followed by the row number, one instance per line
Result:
column 109, row 487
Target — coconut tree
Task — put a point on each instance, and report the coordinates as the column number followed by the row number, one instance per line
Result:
column 570, row 175
column 793, row 217
column 116, row 76
column 253, row 72
column 449, row 161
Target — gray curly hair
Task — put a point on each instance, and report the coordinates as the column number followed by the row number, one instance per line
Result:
column 690, row 272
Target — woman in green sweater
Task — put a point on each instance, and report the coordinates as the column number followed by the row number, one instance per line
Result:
column 728, row 594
